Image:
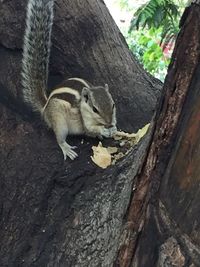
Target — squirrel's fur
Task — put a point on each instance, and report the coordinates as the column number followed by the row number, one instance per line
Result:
column 37, row 41
column 86, row 109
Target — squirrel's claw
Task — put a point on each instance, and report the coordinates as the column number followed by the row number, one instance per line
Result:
column 68, row 151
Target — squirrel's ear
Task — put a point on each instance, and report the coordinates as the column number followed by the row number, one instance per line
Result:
column 106, row 87
column 85, row 93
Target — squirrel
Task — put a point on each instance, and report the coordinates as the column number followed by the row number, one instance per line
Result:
column 87, row 109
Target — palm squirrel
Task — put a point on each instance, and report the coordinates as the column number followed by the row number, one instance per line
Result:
column 87, row 109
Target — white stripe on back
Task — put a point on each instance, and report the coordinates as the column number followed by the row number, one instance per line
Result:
column 62, row 90
column 79, row 80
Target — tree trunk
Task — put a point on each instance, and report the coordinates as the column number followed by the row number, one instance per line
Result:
column 73, row 213
column 162, row 227
column 56, row 213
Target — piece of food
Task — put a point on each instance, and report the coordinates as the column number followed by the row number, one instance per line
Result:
column 101, row 157
column 137, row 136
column 104, row 157
column 112, row 149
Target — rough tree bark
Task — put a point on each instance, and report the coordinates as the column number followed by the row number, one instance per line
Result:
column 56, row 213
column 72, row 213
column 162, row 227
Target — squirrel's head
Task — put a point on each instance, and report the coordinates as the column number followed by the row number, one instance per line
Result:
column 97, row 106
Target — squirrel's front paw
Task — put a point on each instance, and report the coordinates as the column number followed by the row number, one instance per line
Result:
column 105, row 132
column 109, row 132
column 68, row 151
column 113, row 130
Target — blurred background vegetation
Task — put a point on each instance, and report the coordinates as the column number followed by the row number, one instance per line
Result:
column 150, row 28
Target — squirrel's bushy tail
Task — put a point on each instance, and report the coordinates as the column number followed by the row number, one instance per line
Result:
column 37, row 41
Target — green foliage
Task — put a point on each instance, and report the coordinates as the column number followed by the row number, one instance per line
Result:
column 124, row 4
column 158, row 14
column 153, row 27
column 145, row 46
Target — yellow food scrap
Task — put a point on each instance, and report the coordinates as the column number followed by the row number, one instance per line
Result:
column 112, row 149
column 117, row 157
column 128, row 140
column 104, row 157
column 134, row 136
column 141, row 132
column 120, row 134
column 101, row 157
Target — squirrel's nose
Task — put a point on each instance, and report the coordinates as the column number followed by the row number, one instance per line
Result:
column 107, row 126
column 110, row 125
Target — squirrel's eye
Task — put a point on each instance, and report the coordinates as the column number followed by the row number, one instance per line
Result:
column 95, row 110
column 86, row 98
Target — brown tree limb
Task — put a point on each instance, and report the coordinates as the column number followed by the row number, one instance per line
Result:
column 180, row 86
